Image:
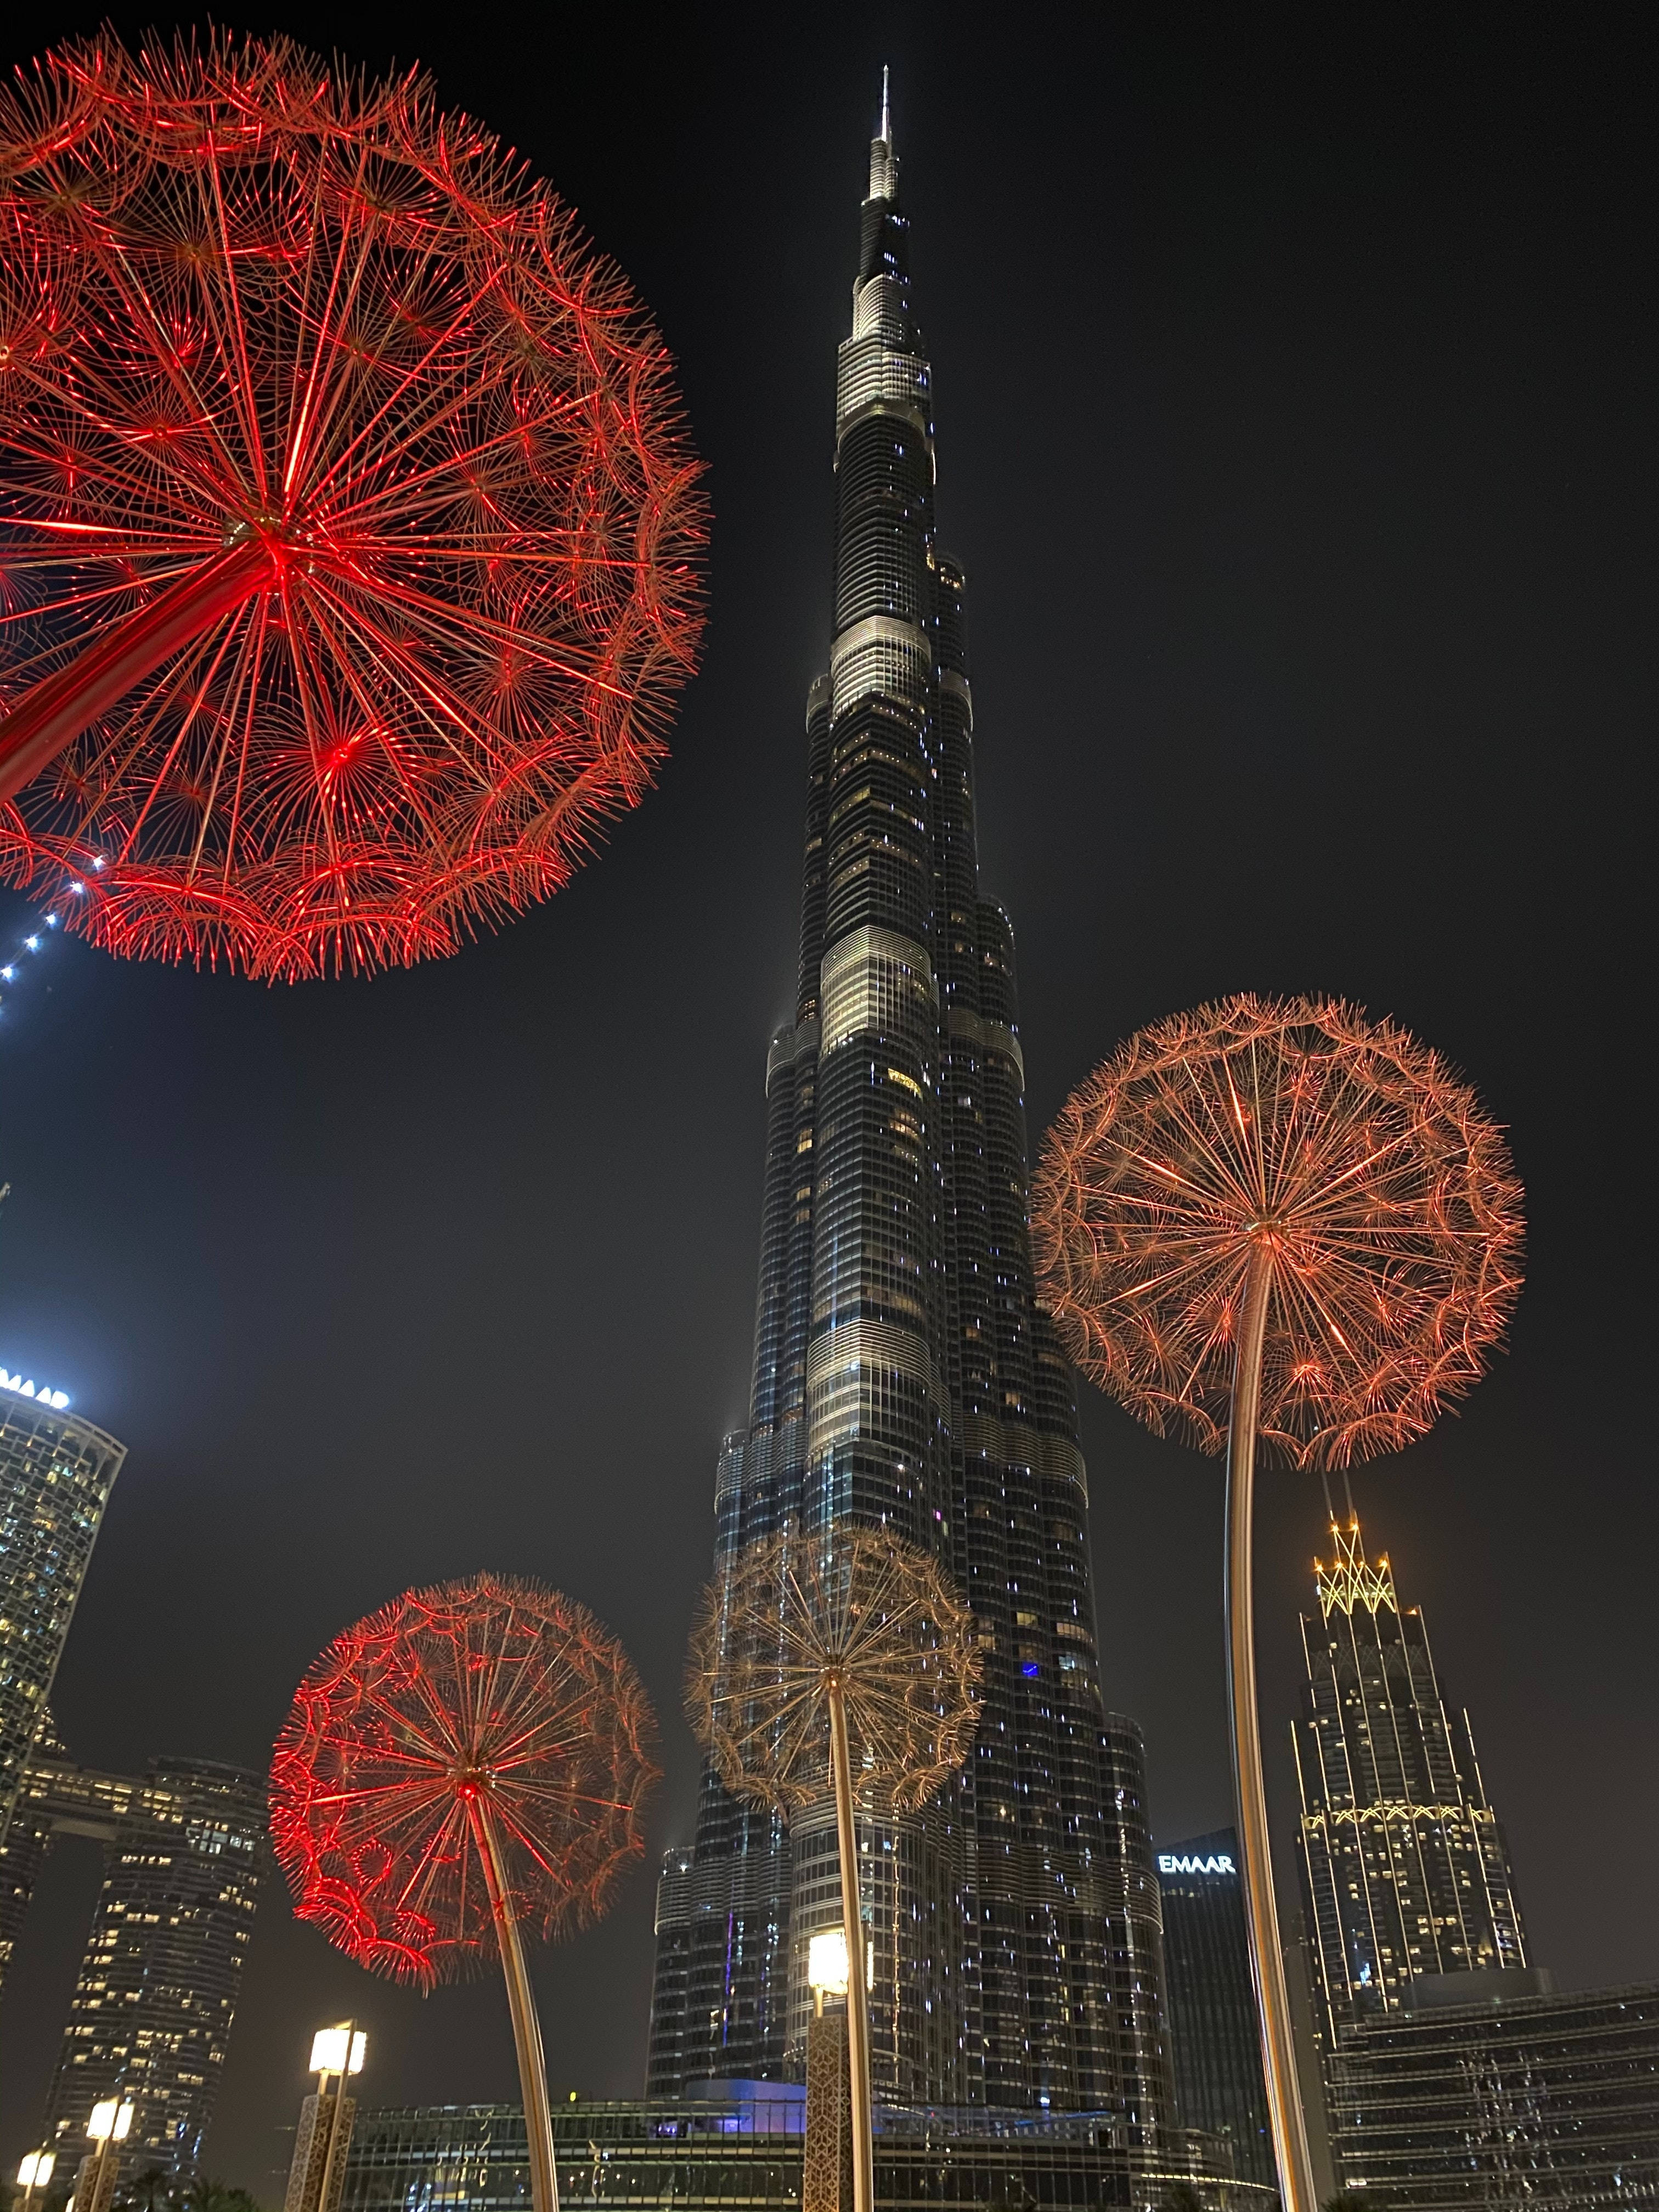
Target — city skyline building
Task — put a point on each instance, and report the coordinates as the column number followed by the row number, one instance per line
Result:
column 149, row 2022
column 1215, row 2041
column 904, row 1373
column 55, row 1475
column 1405, row 1868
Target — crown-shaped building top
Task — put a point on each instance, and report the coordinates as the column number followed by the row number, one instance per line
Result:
column 1349, row 1579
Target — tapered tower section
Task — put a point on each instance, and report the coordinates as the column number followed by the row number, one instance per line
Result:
column 1406, row 1870
column 904, row 1375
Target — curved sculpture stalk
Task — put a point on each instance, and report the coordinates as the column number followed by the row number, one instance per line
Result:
column 858, row 1985
column 1278, row 2064
column 527, row 2025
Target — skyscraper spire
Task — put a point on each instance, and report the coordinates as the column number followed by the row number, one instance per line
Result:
column 905, row 1375
column 883, row 161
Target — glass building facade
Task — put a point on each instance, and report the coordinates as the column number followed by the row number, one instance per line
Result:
column 1404, row 1867
column 1215, row 2043
column 736, row 2152
column 905, row 1374
column 151, row 2014
column 55, row 1475
column 1538, row 2101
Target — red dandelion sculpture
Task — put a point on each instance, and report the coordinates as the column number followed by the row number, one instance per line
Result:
column 1275, row 1218
column 469, row 1761
column 349, row 535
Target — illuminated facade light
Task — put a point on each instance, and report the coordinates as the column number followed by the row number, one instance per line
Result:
column 25, row 1387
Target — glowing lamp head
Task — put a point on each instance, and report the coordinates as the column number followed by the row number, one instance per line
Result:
column 329, row 2054
column 826, row 1963
column 35, row 2170
column 111, row 2120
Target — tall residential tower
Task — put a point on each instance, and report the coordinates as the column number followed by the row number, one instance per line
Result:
column 1406, row 1869
column 55, row 1475
column 150, row 2018
column 905, row 1374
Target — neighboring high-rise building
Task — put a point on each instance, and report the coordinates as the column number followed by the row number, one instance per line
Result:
column 1215, row 2042
column 671, row 1983
column 1506, row 2103
column 904, row 1373
column 151, row 2014
column 55, row 1475
column 1406, row 1867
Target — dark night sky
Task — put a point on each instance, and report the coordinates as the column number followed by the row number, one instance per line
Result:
column 1296, row 426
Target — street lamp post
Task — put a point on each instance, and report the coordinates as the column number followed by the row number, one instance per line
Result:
column 111, row 2123
column 827, row 2166
column 316, row 2177
column 34, row 2172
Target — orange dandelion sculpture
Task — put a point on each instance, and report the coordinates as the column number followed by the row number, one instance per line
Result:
column 840, row 1664
column 468, row 1761
column 1277, row 1220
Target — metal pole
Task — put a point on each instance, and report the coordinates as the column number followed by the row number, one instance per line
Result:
column 54, row 712
column 852, row 1922
column 1261, row 1915
column 329, row 2156
column 100, row 2193
column 526, row 2028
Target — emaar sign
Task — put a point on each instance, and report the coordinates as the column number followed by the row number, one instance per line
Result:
column 1218, row 1863
column 55, row 1399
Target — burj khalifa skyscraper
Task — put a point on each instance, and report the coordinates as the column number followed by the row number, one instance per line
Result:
column 905, row 1374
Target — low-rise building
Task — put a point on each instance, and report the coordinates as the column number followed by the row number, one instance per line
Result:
column 745, row 2148
column 1523, row 2101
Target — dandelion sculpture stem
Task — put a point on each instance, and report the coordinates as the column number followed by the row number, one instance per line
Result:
column 1276, row 1221
column 350, row 535
column 521, row 2005
column 469, row 1761
column 816, row 1660
column 852, row 1929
